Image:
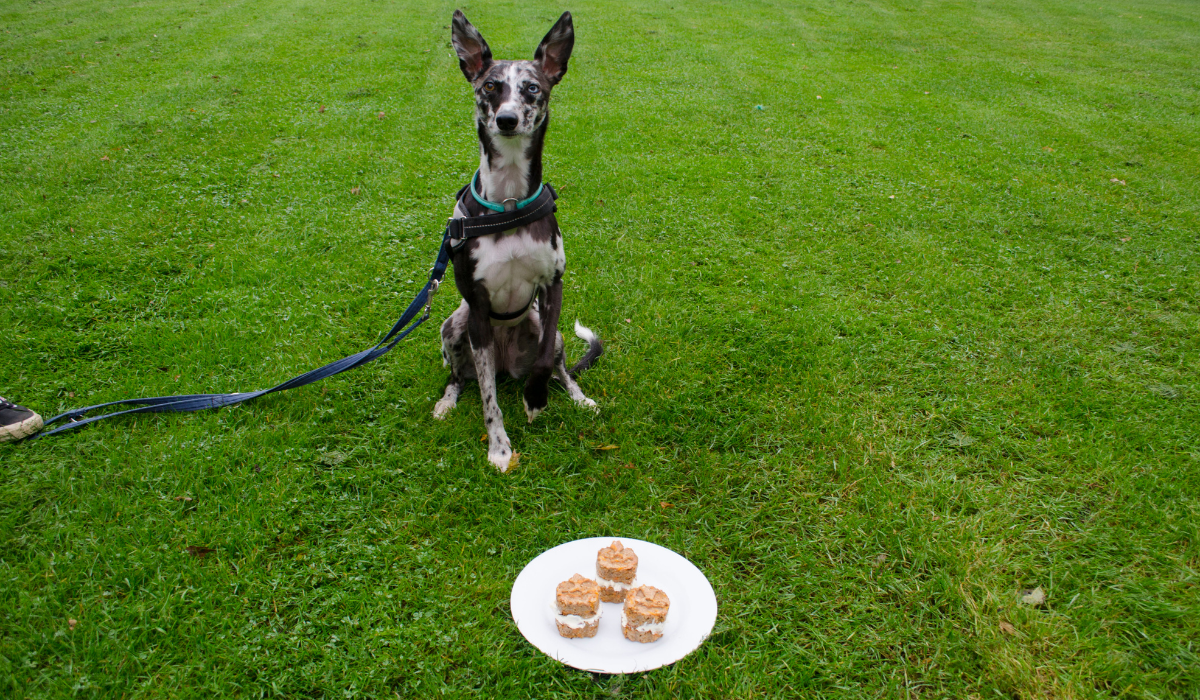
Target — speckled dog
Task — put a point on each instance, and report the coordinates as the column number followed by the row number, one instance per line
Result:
column 511, row 283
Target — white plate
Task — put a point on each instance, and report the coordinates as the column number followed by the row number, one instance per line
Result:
column 689, row 622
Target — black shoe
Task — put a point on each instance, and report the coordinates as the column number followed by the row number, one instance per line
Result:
column 17, row 422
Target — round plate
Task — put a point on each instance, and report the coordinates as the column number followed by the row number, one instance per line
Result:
column 689, row 622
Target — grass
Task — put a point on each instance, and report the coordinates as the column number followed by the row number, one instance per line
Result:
column 877, row 360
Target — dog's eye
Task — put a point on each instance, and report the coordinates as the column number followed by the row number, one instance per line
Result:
column 489, row 86
column 534, row 89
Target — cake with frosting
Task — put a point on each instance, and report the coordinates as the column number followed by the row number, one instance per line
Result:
column 616, row 572
column 577, row 607
column 644, row 616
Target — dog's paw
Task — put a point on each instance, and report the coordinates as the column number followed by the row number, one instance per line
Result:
column 442, row 407
column 531, row 413
column 501, row 457
column 587, row 403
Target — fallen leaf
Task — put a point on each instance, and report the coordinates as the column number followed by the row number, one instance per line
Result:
column 321, row 109
column 382, row 115
column 245, row 201
column 197, row 551
column 1035, row 597
column 354, row 190
column 608, row 447
column 664, row 504
column 879, row 560
column 1047, row 149
column 958, row 439
column 331, row 459
column 514, row 460
column 183, row 498
column 484, row 438
column 1007, row 628
column 1119, row 182
column 275, row 174
column 1164, row 390
column 71, row 622
column 103, row 157
column 1126, row 240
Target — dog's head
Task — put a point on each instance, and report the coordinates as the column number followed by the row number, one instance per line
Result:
column 512, row 97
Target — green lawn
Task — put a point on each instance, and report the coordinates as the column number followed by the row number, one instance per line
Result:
column 901, row 308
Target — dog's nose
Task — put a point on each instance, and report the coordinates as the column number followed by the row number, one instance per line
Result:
column 507, row 121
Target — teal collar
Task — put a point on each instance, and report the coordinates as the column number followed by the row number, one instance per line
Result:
column 500, row 207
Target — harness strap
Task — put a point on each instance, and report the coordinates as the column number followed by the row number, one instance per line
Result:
column 467, row 227
column 470, row 227
column 515, row 314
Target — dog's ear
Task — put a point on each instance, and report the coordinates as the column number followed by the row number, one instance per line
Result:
column 474, row 54
column 555, row 49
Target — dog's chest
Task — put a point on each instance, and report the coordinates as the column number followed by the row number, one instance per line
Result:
column 513, row 265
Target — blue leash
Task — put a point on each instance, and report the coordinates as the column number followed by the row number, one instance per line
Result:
column 457, row 232
column 78, row 418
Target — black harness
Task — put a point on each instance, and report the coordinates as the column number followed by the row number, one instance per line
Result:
column 458, row 232
column 468, row 227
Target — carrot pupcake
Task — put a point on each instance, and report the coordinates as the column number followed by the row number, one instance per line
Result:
column 644, row 616
column 577, row 607
column 616, row 572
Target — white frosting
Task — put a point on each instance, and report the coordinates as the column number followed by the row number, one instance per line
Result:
column 615, row 585
column 575, row 621
column 655, row 627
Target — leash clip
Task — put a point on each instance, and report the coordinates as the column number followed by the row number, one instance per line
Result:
column 433, row 287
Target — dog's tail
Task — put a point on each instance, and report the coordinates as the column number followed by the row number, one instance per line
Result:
column 594, row 351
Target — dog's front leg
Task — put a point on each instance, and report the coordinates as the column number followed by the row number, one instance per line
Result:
column 537, row 385
column 479, row 330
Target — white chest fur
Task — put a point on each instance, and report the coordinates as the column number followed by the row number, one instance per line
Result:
column 512, row 266
column 506, row 173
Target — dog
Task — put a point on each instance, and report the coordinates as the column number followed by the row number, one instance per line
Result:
column 511, row 283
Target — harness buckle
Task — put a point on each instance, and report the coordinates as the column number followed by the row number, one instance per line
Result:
column 455, row 243
column 510, row 204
